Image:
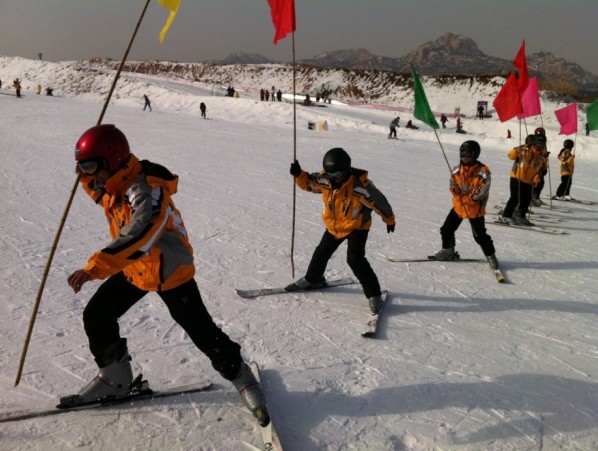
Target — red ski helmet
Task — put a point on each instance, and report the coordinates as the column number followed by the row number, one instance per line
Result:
column 104, row 143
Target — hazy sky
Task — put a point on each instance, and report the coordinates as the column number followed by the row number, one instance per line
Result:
column 212, row 29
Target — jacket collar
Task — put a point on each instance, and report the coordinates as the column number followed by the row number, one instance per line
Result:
column 122, row 179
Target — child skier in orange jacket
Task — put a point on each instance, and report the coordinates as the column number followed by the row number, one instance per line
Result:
column 470, row 186
column 349, row 198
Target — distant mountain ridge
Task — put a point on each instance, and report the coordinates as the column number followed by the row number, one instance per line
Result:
column 451, row 54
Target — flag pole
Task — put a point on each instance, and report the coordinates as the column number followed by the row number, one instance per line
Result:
column 65, row 214
column 294, row 158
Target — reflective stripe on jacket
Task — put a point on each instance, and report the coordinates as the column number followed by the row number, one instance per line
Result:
column 474, row 182
column 348, row 207
column 149, row 241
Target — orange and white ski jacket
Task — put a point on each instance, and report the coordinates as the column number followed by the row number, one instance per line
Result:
column 149, row 241
column 470, row 186
column 348, row 207
column 567, row 160
column 528, row 164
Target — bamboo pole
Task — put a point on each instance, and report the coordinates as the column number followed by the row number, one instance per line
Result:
column 294, row 158
column 66, row 212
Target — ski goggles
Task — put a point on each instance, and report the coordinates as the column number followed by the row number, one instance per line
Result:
column 89, row 167
column 467, row 153
column 335, row 174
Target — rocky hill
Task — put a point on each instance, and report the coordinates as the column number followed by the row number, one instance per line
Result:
column 452, row 54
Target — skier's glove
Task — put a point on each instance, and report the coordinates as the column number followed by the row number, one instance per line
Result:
column 390, row 228
column 295, row 169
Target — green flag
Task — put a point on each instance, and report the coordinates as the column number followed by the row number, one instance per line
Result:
column 422, row 109
column 592, row 116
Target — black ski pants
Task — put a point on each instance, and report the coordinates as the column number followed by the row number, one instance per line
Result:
column 537, row 190
column 355, row 259
column 117, row 295
column 478, row 228
column 565, row 186
column 521, row 197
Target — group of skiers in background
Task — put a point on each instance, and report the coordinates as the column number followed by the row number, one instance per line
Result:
column 530, row 166
column 470, row 184
column 265, row 94
column 394, row 124
column 16, row 84
column 147, row 104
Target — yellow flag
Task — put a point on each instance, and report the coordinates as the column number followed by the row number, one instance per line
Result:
column 173, row 7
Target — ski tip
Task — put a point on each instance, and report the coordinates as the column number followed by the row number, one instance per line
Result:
column 263, row 416
column 250, row 447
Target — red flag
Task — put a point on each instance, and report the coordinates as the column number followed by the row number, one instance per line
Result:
column 567, row 117
column 520, row 63
column 283, row 17
column 508, row 101
column 530, row 100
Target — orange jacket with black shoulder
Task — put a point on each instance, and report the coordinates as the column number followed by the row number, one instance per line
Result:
column 528, row 164
column 470, row 186
column 349, row 206
column 567, row 160
column 149, row 241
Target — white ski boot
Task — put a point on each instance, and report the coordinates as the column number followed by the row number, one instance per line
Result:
column 113, row 380
column 446, row 254
column 303, row 284
column 251, row 393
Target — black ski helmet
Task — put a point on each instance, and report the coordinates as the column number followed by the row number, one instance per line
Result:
column 336, row 160
column 470, row 149
column 539, row 141
column 568, row 144
column 529, row 140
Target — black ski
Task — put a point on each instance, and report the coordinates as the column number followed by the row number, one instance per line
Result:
column 372, row 325
column 577, row 201
column 500, row 278
column 533, row 228
column 535, row 218
column 421, row 260
column 145, row 394
column 278, row 290
column 544, row 206
column 270, row 437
